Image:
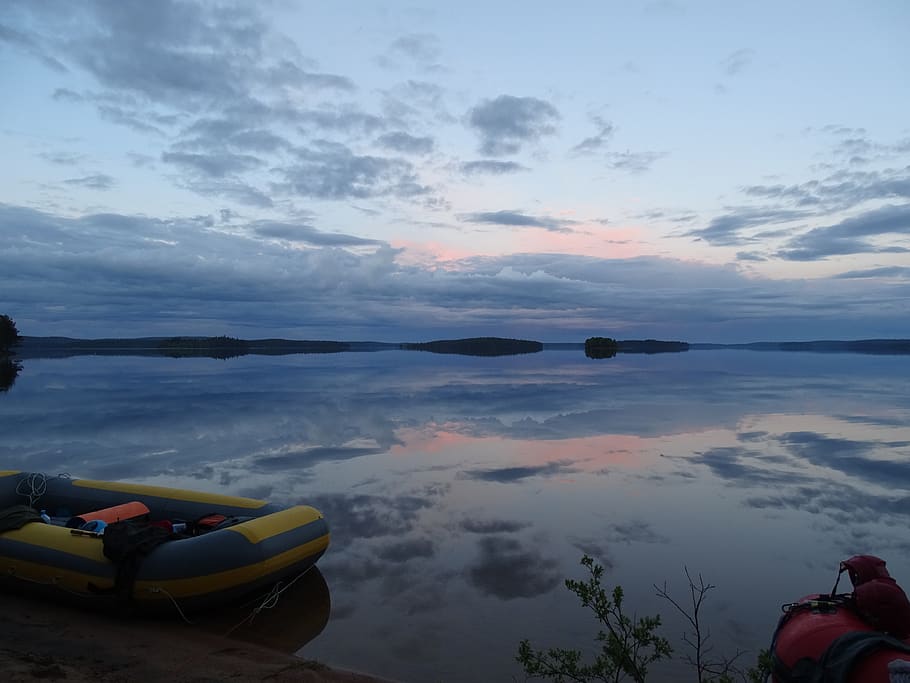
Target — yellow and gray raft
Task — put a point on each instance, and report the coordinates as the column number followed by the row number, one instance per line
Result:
column 193, row 572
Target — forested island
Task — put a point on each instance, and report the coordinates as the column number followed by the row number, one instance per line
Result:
column 477, row 346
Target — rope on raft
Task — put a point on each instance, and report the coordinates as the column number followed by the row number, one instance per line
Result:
column 35, row 485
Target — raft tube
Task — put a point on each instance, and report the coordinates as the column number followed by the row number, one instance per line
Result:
column 192, row 572
column 825, row 631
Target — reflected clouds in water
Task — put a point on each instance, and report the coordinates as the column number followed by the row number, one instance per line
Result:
column 508, row 569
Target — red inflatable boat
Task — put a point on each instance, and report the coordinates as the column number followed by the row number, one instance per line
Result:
column 858, row 637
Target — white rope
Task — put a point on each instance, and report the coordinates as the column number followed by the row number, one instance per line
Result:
column 159, row 589
column 34, row 486
column 269, row 601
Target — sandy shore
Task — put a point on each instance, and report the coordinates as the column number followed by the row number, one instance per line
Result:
column 42, row 640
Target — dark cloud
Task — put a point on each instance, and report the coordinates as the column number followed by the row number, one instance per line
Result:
column 311, row 457
column 884, row 271
column 30, row 45
column 399, row 141
column 728, row 229
column 286, row 72
column 506, row 123
column 492, row 526
column 745, row 467
column 750, row 256
column 507, row 570
column 230, row 188
column 213, row 165
column 518, row 219
column 850, row 235
column 509, row 475
column 420, row 47
column 632, row 162
column 735, row 62
column 206, row 134
column 296, row 232
column 598, row 141
column 491, row 167
column 346, row 119
column 634, row 531
column 594, row 549
column 63, row 158
column 854, row 458
column 330, row 170
column 840, row 190
column 98, row 181
column 359, row 516
column 408, row 550
column 79, row 261
column 843, row 503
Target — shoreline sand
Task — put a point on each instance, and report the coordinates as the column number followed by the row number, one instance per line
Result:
column 43, row 640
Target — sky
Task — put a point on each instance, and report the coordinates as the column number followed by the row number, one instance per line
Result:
column 702, row 171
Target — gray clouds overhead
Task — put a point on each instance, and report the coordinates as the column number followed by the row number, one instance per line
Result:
column 851, row 236
column 399, row 141
column 518, row 219
column 98, row 181
column 506, row 123
column 349, row 286
column 491, row 167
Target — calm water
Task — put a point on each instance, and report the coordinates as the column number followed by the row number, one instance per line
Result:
column 462, row 491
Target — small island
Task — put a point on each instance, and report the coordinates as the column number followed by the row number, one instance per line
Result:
column 477, row 346
column 607, row 347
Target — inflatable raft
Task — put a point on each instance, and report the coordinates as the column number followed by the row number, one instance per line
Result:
column 186, row 548
column 858, row 637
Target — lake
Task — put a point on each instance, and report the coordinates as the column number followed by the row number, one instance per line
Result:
column 462, row 491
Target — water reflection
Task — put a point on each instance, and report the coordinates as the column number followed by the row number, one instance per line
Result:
column 283, row 620
column 9, row 371
column 461, row 491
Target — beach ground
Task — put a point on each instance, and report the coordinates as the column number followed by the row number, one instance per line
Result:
column 41, row 640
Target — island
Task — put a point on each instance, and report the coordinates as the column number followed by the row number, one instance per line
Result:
column 477, row 346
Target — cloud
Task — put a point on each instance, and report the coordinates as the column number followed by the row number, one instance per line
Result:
column 728, row 229
column 399, row 141
column 598, row 141
column 632, row 162
column 214, row 165
column 286, row 72
column 884, row 271
column 850, row 236
column 746, row 467
column 854, row 458
column 506, row 123
column 507, row 570
column 63, row 158
column 491, row 167
column 492, row 526
column 510, row 475
column 310, row 457
column 296, row 232
column 421, row 48
column 98, row 181
column 330, row 170
column 234, row 274
column 408, row 550
column 634, row 531
column 360, row 516
column 518, row 219
column 838, row 191
column 737, row 61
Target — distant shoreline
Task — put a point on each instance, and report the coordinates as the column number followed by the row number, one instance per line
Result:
column 228, row 347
